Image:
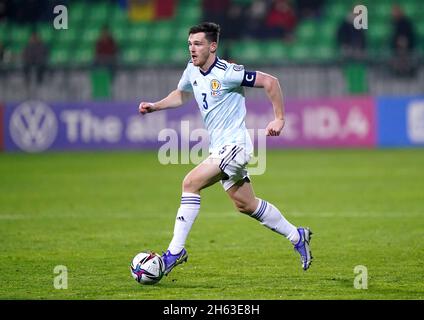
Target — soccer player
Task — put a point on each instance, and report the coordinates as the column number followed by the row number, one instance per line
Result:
column 217, row 86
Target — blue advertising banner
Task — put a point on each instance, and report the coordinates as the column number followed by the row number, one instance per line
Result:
column 1, row 128
column 400, row 121
column 36, row 126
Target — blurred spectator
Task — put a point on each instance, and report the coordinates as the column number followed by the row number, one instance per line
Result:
column 6, row 55
column 217, row 11
column 308, row 8
column 402, row 43
column 35, row 56
column 256, row 15
column 236, row 21
column 2, row 52
column 28, row 11
column 403, row 32
column 3, row 9
column 281, row 20
column 165, row 9
column 351, row 41
column 106, row 50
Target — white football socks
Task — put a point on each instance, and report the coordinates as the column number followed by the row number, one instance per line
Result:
column 271, row 217
column 187, row 213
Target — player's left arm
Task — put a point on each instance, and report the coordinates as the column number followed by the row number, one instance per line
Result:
column 273, row 90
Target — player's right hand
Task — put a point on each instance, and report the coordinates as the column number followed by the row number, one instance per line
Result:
column 146, row 107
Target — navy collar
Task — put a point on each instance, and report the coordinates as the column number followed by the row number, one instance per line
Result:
column 210, row 68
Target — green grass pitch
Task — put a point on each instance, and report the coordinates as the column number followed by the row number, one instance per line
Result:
column 92, row 212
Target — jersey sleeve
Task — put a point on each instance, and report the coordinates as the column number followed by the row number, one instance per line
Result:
column 184, row 84
column 237, row 76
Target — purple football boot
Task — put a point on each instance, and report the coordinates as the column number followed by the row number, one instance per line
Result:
column 303, row 247
column 172, row 260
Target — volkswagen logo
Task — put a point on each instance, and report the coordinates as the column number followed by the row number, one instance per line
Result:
column 33, row 126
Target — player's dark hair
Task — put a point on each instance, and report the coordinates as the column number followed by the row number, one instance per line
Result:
column 210, row 29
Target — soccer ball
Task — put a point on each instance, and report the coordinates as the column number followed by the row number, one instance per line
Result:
column 147, row 267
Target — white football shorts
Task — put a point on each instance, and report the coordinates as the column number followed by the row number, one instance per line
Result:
column 232, row 160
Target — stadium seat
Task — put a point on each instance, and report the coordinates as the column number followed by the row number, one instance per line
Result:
column 67, row 37
column 381, row 10
column 139, row 32
column 118, row 16
column 16, row 48
column 19, row 34
column 338, row 9
column 47, row 32
column 306, row 31
column 275, row 51
column 188, row 15
column 420, row 36
column 90, row 34
column 100, row 13
column 248, row 51
column 327, row 30
column 162, row 32
column 179, row 55
column 156, row 54
column 324, row 53
column 132, row 55
column 83, row 56
column 78, row 12
column 181, row 34
column 59, row 56
column 314, row 38
column 17, row 38
column 378, row 35
column 301, row 52
column 4, row 32
column 121, row 33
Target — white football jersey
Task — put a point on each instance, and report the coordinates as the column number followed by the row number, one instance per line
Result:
column 219, row 94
